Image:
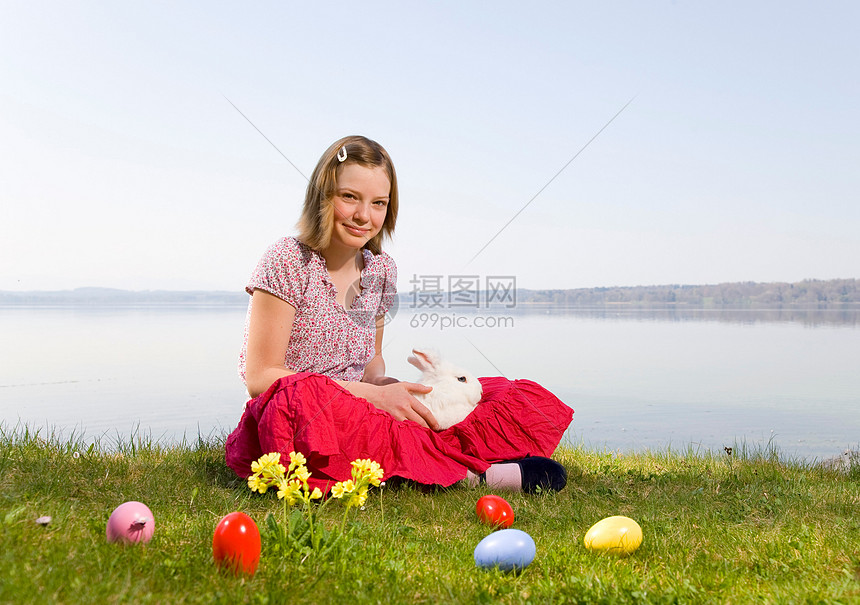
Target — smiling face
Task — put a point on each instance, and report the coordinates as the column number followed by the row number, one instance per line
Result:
column 366, row 169
column 360, row 203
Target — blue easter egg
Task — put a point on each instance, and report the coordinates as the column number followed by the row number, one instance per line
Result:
column 509, row 549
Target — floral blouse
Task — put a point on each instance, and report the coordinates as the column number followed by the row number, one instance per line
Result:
column 326, row 338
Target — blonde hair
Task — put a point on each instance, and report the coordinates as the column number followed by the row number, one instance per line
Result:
column 316, row 222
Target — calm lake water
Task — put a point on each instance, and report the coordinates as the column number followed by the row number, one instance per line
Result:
column 637, row 380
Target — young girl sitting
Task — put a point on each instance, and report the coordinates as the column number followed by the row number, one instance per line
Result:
column 312, row 356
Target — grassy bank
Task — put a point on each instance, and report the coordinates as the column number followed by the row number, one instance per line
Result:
column 718, row 528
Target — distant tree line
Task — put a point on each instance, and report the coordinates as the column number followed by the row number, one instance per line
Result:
column 810, row 292
column 736, row 294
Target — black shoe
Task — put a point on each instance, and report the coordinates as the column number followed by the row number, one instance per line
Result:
column 541, row 474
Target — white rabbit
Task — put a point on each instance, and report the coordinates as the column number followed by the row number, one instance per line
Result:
column 455, row 392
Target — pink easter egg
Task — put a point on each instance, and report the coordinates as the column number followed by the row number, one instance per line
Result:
column 130, row 522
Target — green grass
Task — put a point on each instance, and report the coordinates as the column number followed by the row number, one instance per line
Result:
column 718, row 529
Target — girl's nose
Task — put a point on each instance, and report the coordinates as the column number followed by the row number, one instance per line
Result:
column 362, row 212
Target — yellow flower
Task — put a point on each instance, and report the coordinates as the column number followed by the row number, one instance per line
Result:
column 302, row 474
column 269, row 465
column 337, row 490
column 289, row 491
column 367, row 470
column 348, row 487
column 297, row 459
column 292, row 483
column 257, row 485
column 359, row 467
column 376, row 474
column 358, row 498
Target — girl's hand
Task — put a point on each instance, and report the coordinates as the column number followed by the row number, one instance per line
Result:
column 397, row 399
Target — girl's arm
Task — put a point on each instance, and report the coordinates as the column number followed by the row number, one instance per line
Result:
column 269, row 330
column 374, row 371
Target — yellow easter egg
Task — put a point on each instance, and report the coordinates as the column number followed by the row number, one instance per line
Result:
column 617, row 535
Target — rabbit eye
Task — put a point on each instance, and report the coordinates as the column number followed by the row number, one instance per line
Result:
column 461, row 378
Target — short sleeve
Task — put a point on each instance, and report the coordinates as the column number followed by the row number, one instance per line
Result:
column 282, row 271
column 389, row 285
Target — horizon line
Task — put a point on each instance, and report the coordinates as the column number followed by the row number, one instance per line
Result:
column 242, row 291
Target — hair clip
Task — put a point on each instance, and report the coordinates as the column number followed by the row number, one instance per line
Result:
column 341, row 155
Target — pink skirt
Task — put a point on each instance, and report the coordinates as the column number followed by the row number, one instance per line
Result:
column 312, row 414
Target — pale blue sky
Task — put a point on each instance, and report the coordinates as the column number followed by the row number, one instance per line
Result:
column 122, row 164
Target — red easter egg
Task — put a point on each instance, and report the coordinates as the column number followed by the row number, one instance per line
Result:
column 495, row 511
column 236, row 543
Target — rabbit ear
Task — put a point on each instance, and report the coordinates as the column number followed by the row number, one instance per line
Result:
column 418, row 363
column 423, row 359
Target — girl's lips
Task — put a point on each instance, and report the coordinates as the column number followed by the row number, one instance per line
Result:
column 356, row 230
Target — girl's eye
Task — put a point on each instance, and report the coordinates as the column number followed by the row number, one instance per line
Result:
column 381, row 202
